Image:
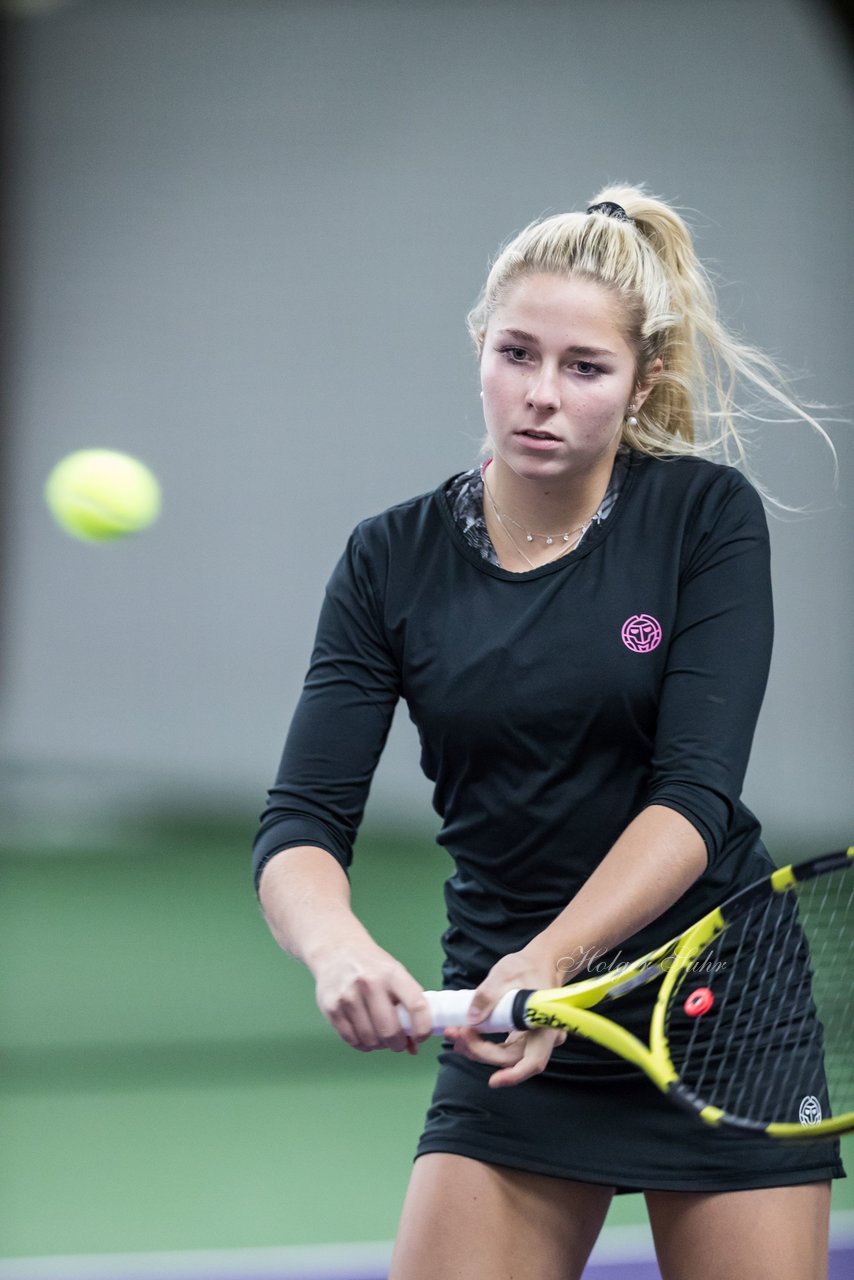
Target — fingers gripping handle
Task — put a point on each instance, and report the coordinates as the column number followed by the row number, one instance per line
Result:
column 449, row 1009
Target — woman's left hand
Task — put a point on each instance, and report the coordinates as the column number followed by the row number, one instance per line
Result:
column 524, row 1053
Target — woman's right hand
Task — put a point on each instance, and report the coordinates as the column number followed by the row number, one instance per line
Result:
column 359, row 987
column 305, row 895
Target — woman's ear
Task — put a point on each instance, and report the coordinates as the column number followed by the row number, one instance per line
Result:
column 643, row 388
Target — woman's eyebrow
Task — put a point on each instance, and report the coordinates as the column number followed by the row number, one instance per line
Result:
column 517, row 333
column 521, row 336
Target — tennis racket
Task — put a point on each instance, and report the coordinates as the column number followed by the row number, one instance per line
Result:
column 753, row 1023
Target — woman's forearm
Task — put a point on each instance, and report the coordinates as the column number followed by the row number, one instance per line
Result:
column 655, row 860
column 305, row 896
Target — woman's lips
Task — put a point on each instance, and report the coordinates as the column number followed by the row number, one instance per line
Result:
column 537, row 439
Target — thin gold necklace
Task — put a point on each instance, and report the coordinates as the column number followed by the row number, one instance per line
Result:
column 565, row 545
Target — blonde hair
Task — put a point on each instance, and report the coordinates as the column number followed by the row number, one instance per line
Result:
column 670, row 313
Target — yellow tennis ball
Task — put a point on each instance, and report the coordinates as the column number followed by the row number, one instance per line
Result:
column 99, row 495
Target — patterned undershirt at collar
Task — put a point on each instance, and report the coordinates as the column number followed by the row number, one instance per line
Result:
column 465, row 498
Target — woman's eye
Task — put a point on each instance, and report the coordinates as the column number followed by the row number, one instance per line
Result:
column 586, row 368
column 515, row 354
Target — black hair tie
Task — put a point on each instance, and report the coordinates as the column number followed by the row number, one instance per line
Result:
column 611, row 210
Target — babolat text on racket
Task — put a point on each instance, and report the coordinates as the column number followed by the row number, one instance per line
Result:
column 753, row 1023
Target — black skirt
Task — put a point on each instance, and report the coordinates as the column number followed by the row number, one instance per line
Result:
column 617, row 1130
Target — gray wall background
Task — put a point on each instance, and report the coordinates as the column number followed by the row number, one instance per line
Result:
column 244, row 237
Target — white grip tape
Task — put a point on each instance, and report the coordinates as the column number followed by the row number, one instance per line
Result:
column 449, row 1009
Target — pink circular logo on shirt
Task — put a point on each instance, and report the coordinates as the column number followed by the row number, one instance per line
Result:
column 641, row 633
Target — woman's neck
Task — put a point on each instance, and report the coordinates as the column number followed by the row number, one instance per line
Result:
column 545, row 507
column 532, row 522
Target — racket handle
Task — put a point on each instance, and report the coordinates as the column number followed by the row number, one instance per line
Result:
column 449, row 1009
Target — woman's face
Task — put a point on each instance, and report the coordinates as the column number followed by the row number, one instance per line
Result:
column 557, row 376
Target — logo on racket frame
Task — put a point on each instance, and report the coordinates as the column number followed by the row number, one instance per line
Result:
column 809, row 1112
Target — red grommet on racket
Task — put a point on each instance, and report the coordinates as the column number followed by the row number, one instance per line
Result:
column 699, row 1002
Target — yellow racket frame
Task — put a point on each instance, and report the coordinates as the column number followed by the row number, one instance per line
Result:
column 570, row 1009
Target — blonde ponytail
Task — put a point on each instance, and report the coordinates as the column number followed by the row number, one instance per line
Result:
column 671, row 315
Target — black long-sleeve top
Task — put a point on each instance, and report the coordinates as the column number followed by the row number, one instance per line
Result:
column 552, row 706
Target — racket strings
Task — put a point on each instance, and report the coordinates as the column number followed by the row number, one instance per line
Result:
column 830, row 922
column 702, row 1060
column 718, row 1045
column 787, row 1016
column 776, row 1042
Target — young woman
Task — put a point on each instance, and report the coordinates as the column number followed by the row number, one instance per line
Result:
column 581, row 628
